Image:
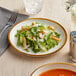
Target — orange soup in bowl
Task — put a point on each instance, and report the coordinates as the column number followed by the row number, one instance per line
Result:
column 58, row 72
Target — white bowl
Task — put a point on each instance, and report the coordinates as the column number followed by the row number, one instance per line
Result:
column 59, row 29
column 52, row 66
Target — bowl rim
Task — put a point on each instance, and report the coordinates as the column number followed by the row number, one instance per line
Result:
column 41, row 19
column 52, row 64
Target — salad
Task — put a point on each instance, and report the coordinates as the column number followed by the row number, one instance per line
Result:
column 38, row 37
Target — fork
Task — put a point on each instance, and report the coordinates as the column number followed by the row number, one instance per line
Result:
column 10, row 22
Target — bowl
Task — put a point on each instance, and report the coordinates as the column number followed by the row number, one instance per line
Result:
column 52, row 66
column 59, row 28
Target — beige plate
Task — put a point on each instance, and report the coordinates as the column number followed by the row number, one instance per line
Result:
column 59, row 29
column 52, row 66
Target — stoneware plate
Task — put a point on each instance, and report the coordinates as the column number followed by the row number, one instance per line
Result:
column 52, row 66
column 59, row 29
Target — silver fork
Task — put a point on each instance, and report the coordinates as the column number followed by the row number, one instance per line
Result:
column 10, row 22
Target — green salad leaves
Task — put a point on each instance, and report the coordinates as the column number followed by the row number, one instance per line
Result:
column 38, row 37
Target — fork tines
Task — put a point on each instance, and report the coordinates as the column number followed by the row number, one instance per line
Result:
column 13, row 18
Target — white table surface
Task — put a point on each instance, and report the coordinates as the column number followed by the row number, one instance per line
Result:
column 12, row 63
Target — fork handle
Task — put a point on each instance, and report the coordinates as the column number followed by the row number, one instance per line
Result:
column 4, row 29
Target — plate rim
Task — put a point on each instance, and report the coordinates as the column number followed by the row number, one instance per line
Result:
column 52, row 64
column 41, row 19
